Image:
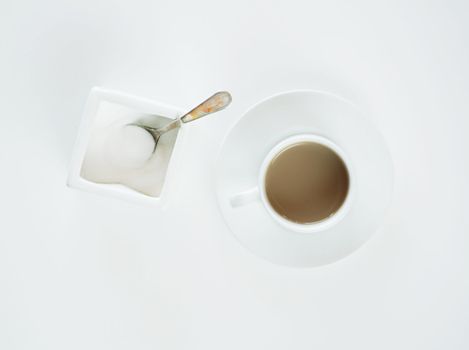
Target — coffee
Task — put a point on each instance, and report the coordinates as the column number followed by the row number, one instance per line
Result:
column 306, row 182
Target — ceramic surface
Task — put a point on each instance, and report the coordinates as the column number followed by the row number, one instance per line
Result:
column 299, row 113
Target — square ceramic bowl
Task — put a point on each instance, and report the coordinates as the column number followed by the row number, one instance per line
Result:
column 148, row 184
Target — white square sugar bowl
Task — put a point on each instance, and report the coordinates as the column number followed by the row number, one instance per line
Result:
column 100, row 160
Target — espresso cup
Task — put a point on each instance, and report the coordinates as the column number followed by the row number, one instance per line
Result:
column 305, row 183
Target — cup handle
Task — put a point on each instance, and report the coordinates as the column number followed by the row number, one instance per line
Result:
column 245, row 197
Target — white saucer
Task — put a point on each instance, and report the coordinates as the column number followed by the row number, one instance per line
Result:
column 275, row 119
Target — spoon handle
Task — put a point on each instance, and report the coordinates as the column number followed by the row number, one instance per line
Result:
column 213, row 104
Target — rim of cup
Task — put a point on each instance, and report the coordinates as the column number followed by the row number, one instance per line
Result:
column 316, row 226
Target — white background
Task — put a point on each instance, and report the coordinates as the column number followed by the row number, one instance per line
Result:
column 79, row 271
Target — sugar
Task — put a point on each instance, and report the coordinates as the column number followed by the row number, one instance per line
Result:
column 129, row 146
column 119, row 153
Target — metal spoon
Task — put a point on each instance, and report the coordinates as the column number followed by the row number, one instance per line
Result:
column 213, row 104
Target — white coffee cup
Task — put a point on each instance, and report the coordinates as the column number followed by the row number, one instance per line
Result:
column 259, row 192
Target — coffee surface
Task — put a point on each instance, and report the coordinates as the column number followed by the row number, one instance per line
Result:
column 306, row 182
